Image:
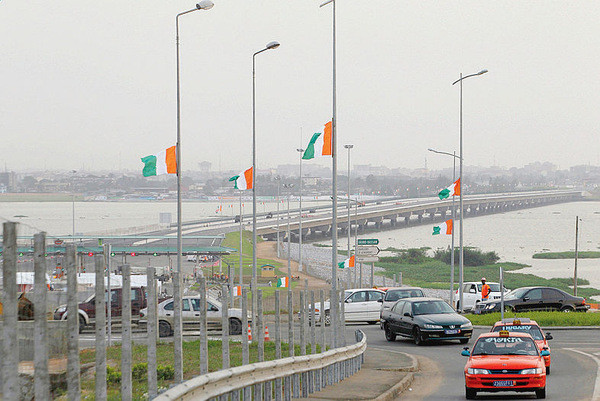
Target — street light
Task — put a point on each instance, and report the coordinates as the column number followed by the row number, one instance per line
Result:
column 349, row 225
column 269, row 46
column 453, row 154
column 460, row 175
column 177, row 332
column 278, row 179
column 301, row 151
column 289, row 236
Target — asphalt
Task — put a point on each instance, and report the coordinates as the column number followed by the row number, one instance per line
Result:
column 383, row 376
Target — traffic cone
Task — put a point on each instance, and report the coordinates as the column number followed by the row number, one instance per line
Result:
column 267, row 338
column 249, row 333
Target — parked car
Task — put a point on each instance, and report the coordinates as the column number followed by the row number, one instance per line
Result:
column 424, row 319
column 190, row 316
column 535, row 298
column 472, row 294
column 505, row 361
column 525, row 325
column 394, row 294
column 360, row 305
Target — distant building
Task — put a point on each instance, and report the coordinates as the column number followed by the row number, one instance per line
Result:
column 204, row 167
column 8, row 180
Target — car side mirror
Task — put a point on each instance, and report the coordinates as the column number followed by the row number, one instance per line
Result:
column 380, row 300
column 465, row 352
column 549, row 336
column 525, row 299
column 349, row 301
column 545, row 353
column 472, row 291
column 407, row 314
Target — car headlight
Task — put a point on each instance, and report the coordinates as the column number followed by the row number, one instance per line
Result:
column 432, row 326
column 474, row 371
column 490, row 306
column 467, row 325
column 532, row 371
column 61, row 309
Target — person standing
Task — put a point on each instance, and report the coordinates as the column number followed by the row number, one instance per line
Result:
column 485, row 290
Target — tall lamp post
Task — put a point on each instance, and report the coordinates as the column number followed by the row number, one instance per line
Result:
column 300, row 267
column 454, row 157
column 460, row 175
column 177, row 332
column 334, row 302
column 278, row 179
column 349, row 225
column 269, row 46
column 289, row 234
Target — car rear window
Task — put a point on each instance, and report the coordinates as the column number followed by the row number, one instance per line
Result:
column 505, row 346
column 531, row 329
column 394, row 295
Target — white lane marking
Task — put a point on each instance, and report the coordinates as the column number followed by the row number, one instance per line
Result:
column 596, row 394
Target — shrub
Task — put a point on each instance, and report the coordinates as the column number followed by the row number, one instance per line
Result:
column 113, row 375
column 139, row 371
column 411, row 256
column 165, row 372
column 472, row 256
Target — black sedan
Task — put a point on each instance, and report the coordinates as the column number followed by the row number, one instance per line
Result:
column 535, row 299
column 424, row 319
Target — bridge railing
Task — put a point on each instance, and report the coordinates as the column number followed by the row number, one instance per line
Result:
column 319, row 370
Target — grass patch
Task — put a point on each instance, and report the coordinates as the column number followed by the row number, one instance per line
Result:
column 567, row 255
column 191, row 358
column 543, row 318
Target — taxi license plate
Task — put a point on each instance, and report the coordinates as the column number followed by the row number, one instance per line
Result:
column 454, row 331
column 504, row 383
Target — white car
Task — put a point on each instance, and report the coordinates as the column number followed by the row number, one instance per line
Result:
column 472, row 294
column 360, row 305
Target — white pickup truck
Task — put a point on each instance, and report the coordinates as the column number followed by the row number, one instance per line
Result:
column 472, row 294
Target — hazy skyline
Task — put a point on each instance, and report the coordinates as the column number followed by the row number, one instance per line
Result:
column 87, row 83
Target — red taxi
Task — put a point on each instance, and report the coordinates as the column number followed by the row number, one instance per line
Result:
column 505, row 361
column 525, row 325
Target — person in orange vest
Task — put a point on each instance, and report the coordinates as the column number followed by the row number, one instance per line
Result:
column 485, row 290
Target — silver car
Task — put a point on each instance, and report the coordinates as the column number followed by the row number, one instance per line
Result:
column 190, row 316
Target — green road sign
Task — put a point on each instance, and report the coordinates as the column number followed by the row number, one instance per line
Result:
column 368, row 241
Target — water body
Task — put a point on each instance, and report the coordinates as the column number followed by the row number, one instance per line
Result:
column 517, row 235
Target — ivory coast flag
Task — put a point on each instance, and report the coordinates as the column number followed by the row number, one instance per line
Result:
column 243, row 180
column 452, row 190
column 237, row 290
column 444, row 228
column 347, row 263
column 283, row 282
column 165, row 162
column 320, row 144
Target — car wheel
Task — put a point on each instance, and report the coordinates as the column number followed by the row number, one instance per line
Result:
column 509, row 308
column 389, row 334
column 372, row 322
column 547, row 370
column 464, row 340
column 235, row 326
column 470, row 393
column 164, row 329
column 81, row 324
column 541, row 393
column 417, row 337
column 566, row 309
column 327, row 318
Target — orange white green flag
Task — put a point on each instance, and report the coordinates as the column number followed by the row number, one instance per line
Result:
column 237, row 290
column 452, row 190
column 243, row 180
column 164, row 162
column 347, row 263
column 283, row 282
column 444, row 228
column 320, row 144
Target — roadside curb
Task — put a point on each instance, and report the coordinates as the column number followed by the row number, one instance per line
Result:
column 403, row 384
column 414, row 367
column 553, row 328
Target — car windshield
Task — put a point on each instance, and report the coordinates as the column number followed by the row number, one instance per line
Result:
column 505, row 346
column 518, row 293
column 493, row 287
column 530, row 329
column 431, row 308
column 394, row 295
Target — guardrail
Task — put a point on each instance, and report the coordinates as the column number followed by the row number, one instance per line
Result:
column 316, row 370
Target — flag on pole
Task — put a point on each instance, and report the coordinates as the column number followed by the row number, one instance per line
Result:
column 347, row 263
column 243, row 180
column 452, row 190
column 320, row 144
column 444, row 228
column 164, row 162
column 237, row 290
column 283, row 282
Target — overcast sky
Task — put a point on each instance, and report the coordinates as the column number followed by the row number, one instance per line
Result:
column 93, row 83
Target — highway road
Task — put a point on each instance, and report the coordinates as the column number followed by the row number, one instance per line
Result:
column 575, row 367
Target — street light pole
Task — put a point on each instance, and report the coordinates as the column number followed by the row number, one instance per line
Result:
column 349, row 225
column 300, row 267
column 289, row 236
column 269, row 46
column 177, row 332
column 278, row 179
column 460, row 174
column 241, row 245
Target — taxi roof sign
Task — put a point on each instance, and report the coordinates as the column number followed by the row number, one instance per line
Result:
column 516, row 320
column 504, row 333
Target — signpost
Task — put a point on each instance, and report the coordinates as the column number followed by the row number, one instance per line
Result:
column 367, row 250
column 368, row 241
column 367, row 259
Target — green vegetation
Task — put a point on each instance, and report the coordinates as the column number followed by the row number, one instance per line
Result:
column 567, row 255
column 471, row 256
column 164, row 359
column 418, row 269
column 542, row 318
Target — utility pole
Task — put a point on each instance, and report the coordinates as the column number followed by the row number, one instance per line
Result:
column 576, row 255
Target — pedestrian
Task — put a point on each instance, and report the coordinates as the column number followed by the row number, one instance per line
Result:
column 485, row 290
